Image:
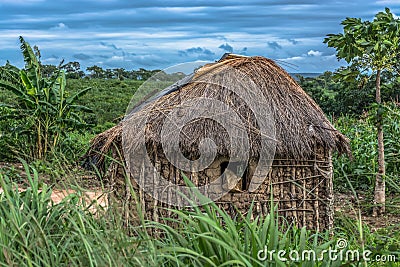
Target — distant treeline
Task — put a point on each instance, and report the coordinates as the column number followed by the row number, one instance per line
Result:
column 349, row 97
column 73, row 71
column 334, row 95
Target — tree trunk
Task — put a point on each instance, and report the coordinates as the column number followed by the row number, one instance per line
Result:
column 379, row 197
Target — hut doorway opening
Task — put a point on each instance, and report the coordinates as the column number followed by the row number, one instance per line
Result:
column 235, row 169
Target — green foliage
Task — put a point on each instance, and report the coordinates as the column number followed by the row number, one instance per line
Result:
column 323, row 89
column 385, row 241
column 210, row 237
column 74, row 145
column 96, row 71
column 141, row 74
column 36, row 232
column 73, row 70
column 43, row 111
column 370, row 45
column 338, row 96
column 362, row 169
column 108, row 99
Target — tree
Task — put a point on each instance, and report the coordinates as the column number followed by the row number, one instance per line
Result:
column 44, row 111
column 372, row 47
column 323, row 89
column 48, row 70
column 96, row 71
column 120, row 73
column 73, row 70
column 108, row 74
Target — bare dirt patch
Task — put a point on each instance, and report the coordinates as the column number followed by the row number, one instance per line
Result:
column 351, row 206
column 90, row 191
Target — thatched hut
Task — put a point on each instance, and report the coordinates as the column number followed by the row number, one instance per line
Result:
column 298, row 176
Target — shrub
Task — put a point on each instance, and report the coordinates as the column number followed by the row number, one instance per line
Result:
column 362, row 133
column 43, row 111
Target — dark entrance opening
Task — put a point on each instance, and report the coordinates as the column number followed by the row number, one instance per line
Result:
column 237, row 168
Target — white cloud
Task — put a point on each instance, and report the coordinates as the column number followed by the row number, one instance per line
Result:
column 116, row 58
column 385, row 2
column 292, row 58
column 306, row 63
column 313, row 53
column 180, row 9
column 60, row 26
column 296, row 7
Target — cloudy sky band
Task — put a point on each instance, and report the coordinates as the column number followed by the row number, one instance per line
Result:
column 156, row 34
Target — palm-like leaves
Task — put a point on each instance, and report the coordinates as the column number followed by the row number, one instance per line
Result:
column 48, row 110
column 32, row 64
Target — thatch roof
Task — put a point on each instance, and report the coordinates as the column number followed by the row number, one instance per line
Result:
column 299, row 123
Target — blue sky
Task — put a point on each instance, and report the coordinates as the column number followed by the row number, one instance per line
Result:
column 155, row 34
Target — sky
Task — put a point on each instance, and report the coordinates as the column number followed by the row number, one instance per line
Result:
column 155, row 34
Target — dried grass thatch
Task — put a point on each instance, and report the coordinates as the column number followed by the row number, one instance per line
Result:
column 300, row 124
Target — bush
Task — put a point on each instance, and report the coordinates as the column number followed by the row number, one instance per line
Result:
column 362, row 134
column 43, row 111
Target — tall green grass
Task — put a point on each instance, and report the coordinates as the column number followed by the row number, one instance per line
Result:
column 210, row 237
column 36, row 232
